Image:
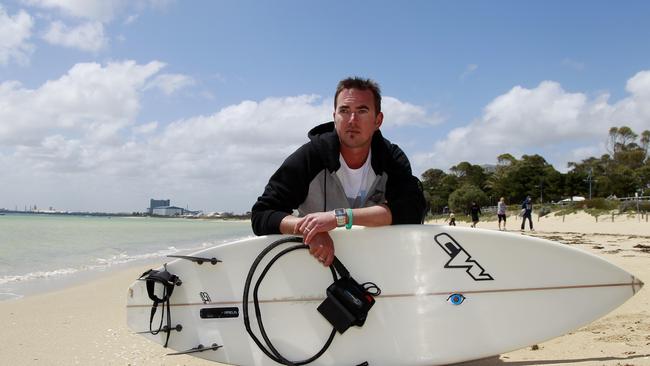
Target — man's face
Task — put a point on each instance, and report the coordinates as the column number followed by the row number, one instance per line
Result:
column 355, row 118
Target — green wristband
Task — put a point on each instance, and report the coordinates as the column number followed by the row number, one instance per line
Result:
column 349, row 224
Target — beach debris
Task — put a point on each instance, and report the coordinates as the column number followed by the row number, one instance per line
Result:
column 644, row 248
column 534, row 347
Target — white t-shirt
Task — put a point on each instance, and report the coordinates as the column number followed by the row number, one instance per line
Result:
column 356, row 182
column 501, row 208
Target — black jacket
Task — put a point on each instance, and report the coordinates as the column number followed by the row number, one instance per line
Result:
column 307, row 181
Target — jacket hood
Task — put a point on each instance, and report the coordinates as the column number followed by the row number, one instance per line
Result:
column 324, row 128
column 326, row 141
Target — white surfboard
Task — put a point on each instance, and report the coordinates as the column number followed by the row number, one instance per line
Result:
column 510, row 291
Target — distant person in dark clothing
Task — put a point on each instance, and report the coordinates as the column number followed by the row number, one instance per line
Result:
column 527, row 213
column 474, row 211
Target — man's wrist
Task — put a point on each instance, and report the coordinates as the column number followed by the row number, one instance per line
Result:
column 348, row 213
column 341, row 217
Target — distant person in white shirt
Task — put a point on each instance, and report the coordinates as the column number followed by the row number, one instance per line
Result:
column 501, row 212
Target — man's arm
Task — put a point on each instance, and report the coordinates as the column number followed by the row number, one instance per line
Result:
column 315, row 228
column 404, row 195
column 286, row 189
column 320, row 222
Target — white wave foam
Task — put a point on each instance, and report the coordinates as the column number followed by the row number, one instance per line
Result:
column 126, row 258
column 38, row 275
column 105, row 263
column 9, row 296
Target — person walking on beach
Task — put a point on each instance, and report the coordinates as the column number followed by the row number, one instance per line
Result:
column 348, row 173
column 474, row 211
column 451, row 219
column 527, row 213
column 501, row 212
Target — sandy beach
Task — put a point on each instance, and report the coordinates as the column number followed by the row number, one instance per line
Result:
column 85, row 324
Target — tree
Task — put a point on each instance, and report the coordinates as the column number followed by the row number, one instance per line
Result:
column 461, row 199
column 437, row 187
column 622, row 171
column 532, row 175
column 620, row 138
column 645, row 142
column 469, row 173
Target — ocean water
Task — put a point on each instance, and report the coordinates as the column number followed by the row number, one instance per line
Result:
column 40, row 252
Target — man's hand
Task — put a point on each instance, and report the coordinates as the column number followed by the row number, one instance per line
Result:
column 315, row 223
column 322, row 248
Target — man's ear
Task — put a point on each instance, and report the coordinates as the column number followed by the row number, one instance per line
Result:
column 379, row 120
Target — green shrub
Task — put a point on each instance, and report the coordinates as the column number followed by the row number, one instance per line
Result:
column 543, row 211
column 630, row 206
column 595, row 212
column 598, row 203
column 567, row 211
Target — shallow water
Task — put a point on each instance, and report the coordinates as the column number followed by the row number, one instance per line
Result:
column 38, row 250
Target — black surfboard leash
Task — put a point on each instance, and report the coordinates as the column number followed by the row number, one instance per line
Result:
column 347, row 302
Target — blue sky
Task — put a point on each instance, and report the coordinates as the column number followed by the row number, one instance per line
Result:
column 106, row 104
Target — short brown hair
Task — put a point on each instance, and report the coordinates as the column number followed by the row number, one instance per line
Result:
column 360, row 84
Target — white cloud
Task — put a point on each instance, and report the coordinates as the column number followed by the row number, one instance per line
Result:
column 87, row 37
column 170, row 83
column 15, row 32
column 131, row 19
column 99, row 10
column 146, row 128
column 584, row 152
column 576, row 65
column 543, row 120
column 83, row 127
column 469, row 70
column 398, row 113
column 90, row 101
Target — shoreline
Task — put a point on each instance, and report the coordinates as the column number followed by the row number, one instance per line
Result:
column 45, row 252
column 44, row 286
column 86, row 322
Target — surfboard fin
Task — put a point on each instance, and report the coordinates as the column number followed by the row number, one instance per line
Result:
column 165, row 329
column 199, row 348
column 197, row 260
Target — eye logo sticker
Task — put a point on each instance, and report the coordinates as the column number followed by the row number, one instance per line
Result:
column 456, row 299
column 460, row 258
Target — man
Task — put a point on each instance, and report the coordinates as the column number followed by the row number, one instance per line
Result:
column 527, row 213
column 474, row 211
column 347, row 174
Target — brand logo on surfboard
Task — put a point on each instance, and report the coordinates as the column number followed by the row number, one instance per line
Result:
column 460, row 258
column 205, row 297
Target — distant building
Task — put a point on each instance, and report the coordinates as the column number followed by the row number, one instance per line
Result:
column 157, row 203
column 167, row 211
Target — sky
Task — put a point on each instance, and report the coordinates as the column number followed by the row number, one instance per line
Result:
column 105, row 104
